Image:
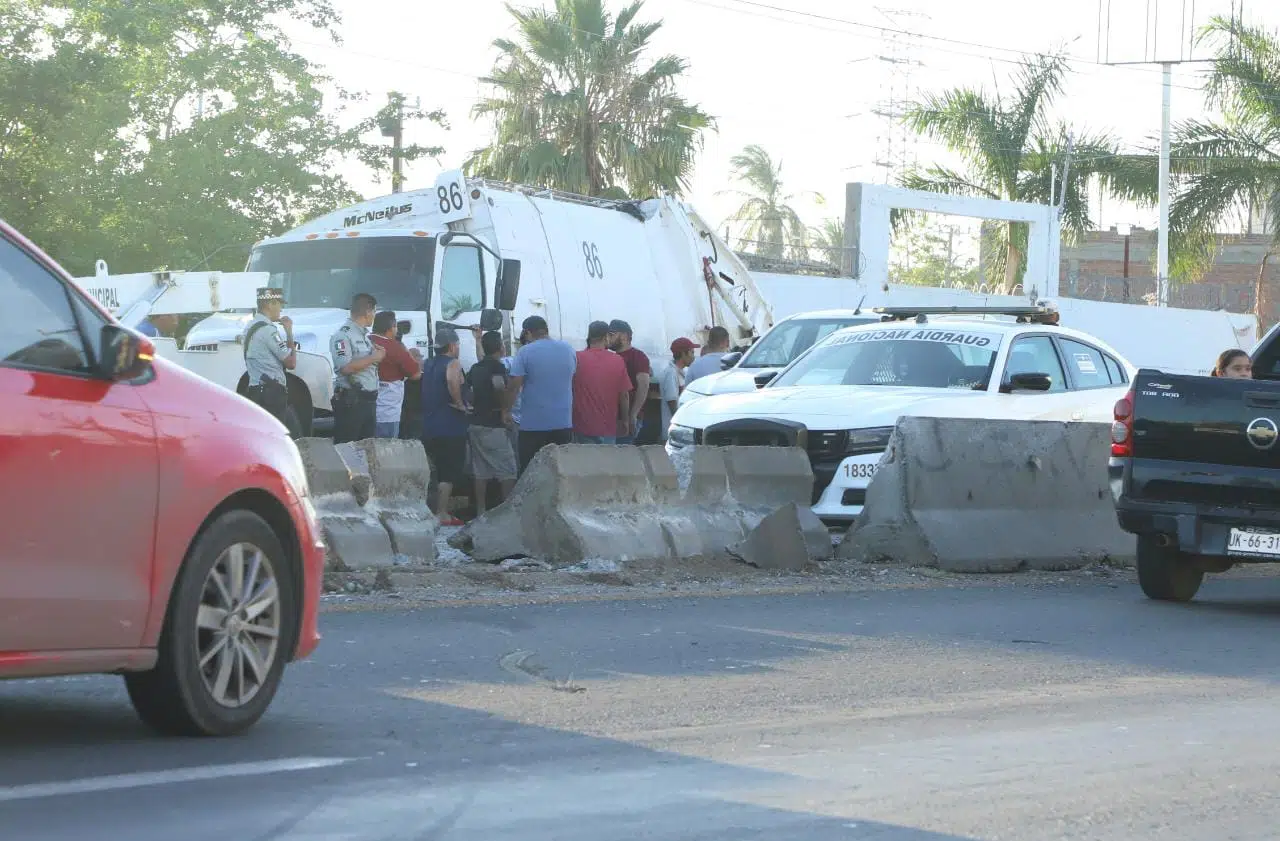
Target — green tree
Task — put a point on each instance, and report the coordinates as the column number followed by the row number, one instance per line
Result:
column 577, row 106
column 930, row 255
column 1223, row 165
column 165, row 134
column 771, row 227
column 828, row 240
column 1010, row 149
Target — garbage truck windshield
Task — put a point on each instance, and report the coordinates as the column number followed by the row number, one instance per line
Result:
column 330, row 272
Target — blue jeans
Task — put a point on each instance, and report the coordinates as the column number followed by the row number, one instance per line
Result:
column 594, row 439
column 390, row 429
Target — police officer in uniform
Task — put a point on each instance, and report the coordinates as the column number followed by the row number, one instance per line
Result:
column 355, row 363
column 267, row 356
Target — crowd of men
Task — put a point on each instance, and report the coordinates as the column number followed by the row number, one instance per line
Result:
column 494, row 417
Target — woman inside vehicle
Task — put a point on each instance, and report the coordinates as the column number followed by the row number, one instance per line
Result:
column 1233, row 364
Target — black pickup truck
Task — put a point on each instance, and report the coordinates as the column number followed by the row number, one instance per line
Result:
column 1195, row 472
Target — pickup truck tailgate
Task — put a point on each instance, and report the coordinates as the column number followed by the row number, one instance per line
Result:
column 1206, row 440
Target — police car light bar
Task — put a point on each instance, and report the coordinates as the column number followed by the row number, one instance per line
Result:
column 1029, row 314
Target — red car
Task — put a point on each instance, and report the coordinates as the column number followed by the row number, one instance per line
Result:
column 152, row 524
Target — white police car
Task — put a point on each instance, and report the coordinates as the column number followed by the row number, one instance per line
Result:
column 841, row 399
column 774, row 351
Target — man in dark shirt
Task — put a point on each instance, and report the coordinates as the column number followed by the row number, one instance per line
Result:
column 492, row 456
column 640, row 372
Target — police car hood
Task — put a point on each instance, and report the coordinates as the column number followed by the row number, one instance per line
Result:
column 308, row 323
column 733, row 381
column 830, row 406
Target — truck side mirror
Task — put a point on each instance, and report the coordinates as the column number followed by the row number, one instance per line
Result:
column 507, row 290
column 729, row 360
column 490, row 320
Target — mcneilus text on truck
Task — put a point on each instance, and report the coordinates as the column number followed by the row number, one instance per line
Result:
column 1195, row 472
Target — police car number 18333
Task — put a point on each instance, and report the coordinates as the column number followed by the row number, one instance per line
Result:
column 859, row 471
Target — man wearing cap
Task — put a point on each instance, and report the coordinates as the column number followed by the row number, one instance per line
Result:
column 267, row 356
column 542, row 376
column 601, row 390
column 355, row 365
column 671, row 383
column 638, row 371
column 444, row 420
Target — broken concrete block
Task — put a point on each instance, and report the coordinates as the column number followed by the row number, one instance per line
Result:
column 788, row 539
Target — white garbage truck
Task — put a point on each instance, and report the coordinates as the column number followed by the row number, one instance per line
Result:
column 468, row 251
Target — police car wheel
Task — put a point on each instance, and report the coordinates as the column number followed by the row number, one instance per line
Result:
column 228, row 632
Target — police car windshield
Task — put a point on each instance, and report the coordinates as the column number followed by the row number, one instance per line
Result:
column 918, row 356
column 791, row 338
column 328, row 273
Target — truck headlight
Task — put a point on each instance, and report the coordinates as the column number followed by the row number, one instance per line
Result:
column 682, row 436
column 870, row 440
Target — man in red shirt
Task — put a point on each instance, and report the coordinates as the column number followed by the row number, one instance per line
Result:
column 638, row 372
column 396, row 366
column 601, row 390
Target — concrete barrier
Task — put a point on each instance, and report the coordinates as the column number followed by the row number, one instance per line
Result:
column 353, row 538
column 970, row 495
column 399, row 478
column 578, row 502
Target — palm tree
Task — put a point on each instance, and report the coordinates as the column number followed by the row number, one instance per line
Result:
column 1227, row 164
column 828, row 239
column 770, row 225
column 576, row 107
column 1010, row 148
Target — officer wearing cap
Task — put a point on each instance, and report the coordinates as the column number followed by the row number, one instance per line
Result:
column 355, row 365
column 267, row 356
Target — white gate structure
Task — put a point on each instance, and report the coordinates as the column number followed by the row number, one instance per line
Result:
column 867, row 230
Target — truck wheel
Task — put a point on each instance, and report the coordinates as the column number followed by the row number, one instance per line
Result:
column 228, row 631
column 1165, row 574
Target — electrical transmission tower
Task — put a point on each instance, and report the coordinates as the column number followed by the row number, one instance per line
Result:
column 897, row 146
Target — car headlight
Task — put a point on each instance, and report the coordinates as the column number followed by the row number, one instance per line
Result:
column 870, row 440
column 682, row 436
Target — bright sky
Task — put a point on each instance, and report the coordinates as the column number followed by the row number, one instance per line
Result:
column 802, row 78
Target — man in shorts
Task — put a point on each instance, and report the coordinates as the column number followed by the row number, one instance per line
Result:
column 492, row 456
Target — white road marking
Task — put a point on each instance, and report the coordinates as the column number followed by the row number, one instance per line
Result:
column 115, row 782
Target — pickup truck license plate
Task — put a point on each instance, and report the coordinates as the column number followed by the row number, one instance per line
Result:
column 1251, row 542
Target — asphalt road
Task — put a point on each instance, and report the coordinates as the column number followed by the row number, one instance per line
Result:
column 1070, row 711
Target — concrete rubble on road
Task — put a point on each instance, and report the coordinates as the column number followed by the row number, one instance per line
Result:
column 979, row 495
column 578, row 502
column 791, row 538
column 381, row 520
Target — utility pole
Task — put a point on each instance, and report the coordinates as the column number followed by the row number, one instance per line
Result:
column 1181, row 52
column 1162, row 236
column 393, row 127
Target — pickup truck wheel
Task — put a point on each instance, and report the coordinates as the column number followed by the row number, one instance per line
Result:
column 227, row 634
column 1165, row 574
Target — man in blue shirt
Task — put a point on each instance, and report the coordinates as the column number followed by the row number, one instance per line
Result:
column 542, row 378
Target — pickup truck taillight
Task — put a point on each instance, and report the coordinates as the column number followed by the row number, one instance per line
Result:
column 1122, row 427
